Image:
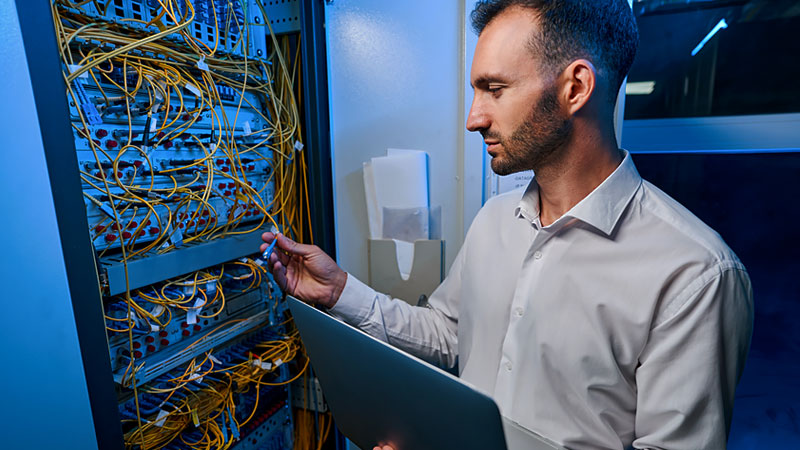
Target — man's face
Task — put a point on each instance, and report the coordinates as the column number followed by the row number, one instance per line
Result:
column 515, row 108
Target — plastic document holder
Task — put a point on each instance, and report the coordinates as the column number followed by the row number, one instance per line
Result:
column 427, row 270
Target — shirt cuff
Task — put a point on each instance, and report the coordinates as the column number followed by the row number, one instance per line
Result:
column 355, row 302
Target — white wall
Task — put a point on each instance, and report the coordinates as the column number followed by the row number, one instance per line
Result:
column 396, row 74
column 399, row 77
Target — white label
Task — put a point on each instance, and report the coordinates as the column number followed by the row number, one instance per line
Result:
column 278, row 362
column 244, row 260
column 177, row 237
column 298, row 146
column 154, row 327
column 196, row 376
column 107, row 210
column 266, row 365
column 134, row 316
column 247, row 129
column 202, row 63
column 273, row 230
column 256, row 363
column 211, row 286
column 214, row 358
column 193, row 89
column 157, row 310
column 188, row 290
column 76, row 67
column 154, row 123
column 259, row 262
column 160, row 418
column 191, row 314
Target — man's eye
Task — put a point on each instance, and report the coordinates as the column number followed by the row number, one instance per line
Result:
column 494, row 89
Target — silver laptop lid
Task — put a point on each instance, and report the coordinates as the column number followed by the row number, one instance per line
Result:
column 381, row 395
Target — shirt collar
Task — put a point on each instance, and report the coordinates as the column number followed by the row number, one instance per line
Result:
column 601, row 209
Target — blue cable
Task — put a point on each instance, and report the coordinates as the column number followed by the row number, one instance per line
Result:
column 268, row 251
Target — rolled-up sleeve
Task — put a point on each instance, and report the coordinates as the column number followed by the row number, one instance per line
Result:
column 692, row 361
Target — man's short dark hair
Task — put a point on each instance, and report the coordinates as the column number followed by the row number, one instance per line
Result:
column 601, row 31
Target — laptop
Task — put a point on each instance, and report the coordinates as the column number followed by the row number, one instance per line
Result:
column 381, row 395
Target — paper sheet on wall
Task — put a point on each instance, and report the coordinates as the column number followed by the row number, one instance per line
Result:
column 396, row 181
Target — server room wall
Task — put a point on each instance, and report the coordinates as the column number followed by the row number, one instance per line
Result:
column 186, row 145
column 42, row 362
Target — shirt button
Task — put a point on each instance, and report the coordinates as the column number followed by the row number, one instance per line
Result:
column 519, row 312
column 509, row 366
column 537, row 255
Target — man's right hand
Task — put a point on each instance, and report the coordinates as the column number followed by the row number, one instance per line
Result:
column 305, row 271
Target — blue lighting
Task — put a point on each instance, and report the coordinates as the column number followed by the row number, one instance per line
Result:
column 722, row 24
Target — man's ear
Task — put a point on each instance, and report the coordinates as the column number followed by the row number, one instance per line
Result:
column 579, row 83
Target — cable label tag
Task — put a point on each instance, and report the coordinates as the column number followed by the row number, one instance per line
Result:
column 246, row 126
column 214, row 358
column 76, row 67
column 266, row 365
column 278, row 362
column 259, row 262
column 201, row 64
column 176, row 235
column 161, row 418
column 193, row 89
column 107, row 210
column 154, row 327
column 188, row 290
column 299, row 146
column 196, row 376
column 194, row 310
column 211, row 287
column 154, row 123
column 157, row 310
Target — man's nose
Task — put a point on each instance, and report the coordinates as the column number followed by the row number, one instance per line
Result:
column 477, row 119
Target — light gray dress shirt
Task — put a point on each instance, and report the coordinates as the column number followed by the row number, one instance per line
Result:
column 623, row 324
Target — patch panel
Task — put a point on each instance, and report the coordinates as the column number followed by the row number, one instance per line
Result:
column 215, row 23
column 165, row 325
column 167, row 410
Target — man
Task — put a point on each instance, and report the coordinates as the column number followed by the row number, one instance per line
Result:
column 595, row 309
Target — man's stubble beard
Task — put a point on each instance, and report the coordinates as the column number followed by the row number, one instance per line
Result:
column 539, row 139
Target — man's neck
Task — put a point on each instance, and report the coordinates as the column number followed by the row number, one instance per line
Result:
column 582, row 167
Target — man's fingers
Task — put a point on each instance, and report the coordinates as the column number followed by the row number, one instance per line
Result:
column 268, row 237
column 280, row 256
column 279, row 273
column 288, row 245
